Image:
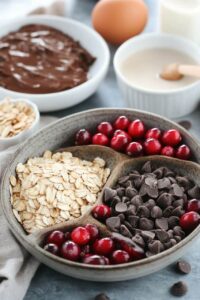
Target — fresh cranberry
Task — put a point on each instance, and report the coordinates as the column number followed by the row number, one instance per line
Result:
column 93, row 230
column 94, row 260
column 80, row 235
column 119, row 131
column 71, row 251
column 83, row 137
column 52, row 248
column 105, row 128
column 189, row 220
column 193, row 205
column 168, row 151
column 122, row 123
column 67, row 236
column 56, row 237
column 183, row 152
column 136, row 129
column 134, row 149
column 103, row 246
column 153, row 133
column 100, row 139
column 134, row 250
column 101, row 212
column 152, row 147
column 171, row 137
column 120, row 257
column 119, row 142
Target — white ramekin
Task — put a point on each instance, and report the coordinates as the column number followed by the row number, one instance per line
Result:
column 22, row 136
column 172, row 104
column 89, row 39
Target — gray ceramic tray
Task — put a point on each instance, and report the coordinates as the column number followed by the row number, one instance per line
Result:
column 61, row 135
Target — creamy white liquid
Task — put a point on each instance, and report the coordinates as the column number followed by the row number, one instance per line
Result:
column 182, row 5
column 142, row 69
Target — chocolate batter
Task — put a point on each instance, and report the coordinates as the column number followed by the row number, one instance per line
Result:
column 38, row 59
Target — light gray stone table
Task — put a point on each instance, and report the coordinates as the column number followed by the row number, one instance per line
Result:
column 50, row 285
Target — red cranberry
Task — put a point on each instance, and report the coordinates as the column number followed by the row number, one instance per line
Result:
column 152, row 147
column 193, row 205
column 119, row 142
column 189, row 220
column 153, row 133
column 134, row 149
column 83, row 137
column 119, row 131
column 103, row 246
column 80, row 235
column 56, row 237
column 183, row 152
column 52, row 248
column 67, row 236
column 101, row 212
column 171, row 137
column 93, row 230
column 136, row 129
column 120, row 257
column 105, row 128
column 121, row 122
column 94, row 260
column 71, row 251
column 100, row 139
column 134, row 251
column 168, row 151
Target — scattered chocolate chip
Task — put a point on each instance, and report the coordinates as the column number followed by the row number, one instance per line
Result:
column 109, row 194
column 194, row 192
column 133, row 220
column 168, row 211
column 161, row 223
column 130, row 192
column 120, row 191
column 178, row 231
column 179, row 289
column 164, row 183
column 173, row 221
column 177, row 190
column 165, row 200
column 177, row 238
column 138, row 240
column 183, row 267
column 162, row 235
column 156, row 212
column 159, row 172
column 131, row 211
column 137, row 200
column 155, row 247
column 124, row 231
column 148, row 235
column 146, row 224
column 178, row 211
column 179, row 202
column 185, row 124
column 143, row 211
column 121, row 207
column 184, row 182
column 113, row 223
column 128, row 225
column 102, row 296
column 150, row 203
column 173, row 242
column 170, row 233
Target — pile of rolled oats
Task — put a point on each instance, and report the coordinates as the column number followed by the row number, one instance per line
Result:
column 15, row 117
column 55, row 188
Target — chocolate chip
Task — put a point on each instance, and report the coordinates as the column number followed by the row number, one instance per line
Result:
column 133, row 220
column 162, row 235
column 177, row 190
column 168, row 173
column 150, row 203
column 138, row 181
column 170, row 233
column 165, row 200
column 172, row 179
column 102, row 296
column 183, row 267
column 125, row 199
column 120, row 191
column 143, row 190
column 194, row 192
column 146, row 167
column 173, row 221
column 155, row 247
column 114, row 201
column 109, row 194
column 179, row 289
column 131, row 210
column 178, row 231
column 161, row 223
column 164, row 183
column 168, row 244
column 148, row 235
column 124, row 231
column 128, row 225
column 156, row 212
column 179, row 202
column 143, row 211
column 121, row 207
column 113, row 223
column 185, row 124
column 137, row 200
column 138, row 240
column 168, row 211
column 173, row 242
column 177, row 238
column 146, row 224
column 130, row 192
column 159, row 172
column 123, row 179
column 184, row 182
column 178, row 211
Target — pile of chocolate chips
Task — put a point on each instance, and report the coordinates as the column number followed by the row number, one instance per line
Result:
column 146, row 207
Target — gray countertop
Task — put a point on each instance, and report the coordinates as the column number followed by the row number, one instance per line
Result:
column 50, row 285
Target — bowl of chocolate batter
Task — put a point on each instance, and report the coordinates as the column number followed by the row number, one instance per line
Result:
column 55, row 62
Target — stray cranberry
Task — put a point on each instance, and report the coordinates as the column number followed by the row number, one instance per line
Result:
column 171, row 137
column 83, row 137
column 136, row 129
column 119, row 131
column 189, row 221
column 93, row 230
column 80, row 235
column 153, row 133
column 103, row 246
column 122, row 123
column 134, row 149
column 56, row 237
column 94, row 260
column 71, row 251
column 100, row 139
column 52, row 248
column 120, row 257
column 101, row 212
column 183, row 152
column 105, row 128
column 193, row 205
column 152, row 147
column 134, row 250
column 119, row 142
column 168, row 151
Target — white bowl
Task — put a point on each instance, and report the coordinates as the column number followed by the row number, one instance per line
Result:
column 19, row 138
column 89, row 39
column 174, row 103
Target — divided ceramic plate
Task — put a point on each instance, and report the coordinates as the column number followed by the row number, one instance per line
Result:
column 61, row 135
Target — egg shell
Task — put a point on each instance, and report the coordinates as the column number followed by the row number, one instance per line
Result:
column 119, row 20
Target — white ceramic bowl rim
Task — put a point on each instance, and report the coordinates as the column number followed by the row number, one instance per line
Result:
column 104, row 66
column 140, row 39
column 37, row 117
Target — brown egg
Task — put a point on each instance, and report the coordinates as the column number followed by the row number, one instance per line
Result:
column 119, row 20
